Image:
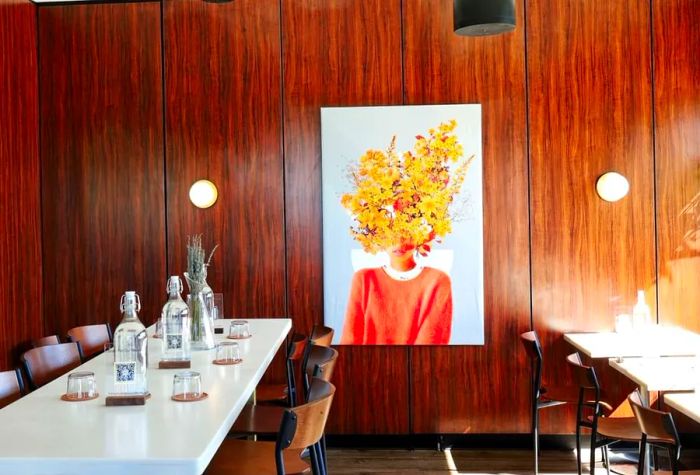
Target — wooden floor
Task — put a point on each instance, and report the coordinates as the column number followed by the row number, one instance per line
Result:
column 454, row 462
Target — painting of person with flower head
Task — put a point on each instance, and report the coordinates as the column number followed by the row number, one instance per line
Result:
column 402, row 204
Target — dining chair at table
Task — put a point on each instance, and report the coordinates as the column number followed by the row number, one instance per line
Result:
column 285, row 393
column 46, row 341
column 321, row 336
column 604, row 430
column 92, row 338
column 542, row 397
column 301, row 427
column 46, row 363
column 658, row 430
column 11, row 387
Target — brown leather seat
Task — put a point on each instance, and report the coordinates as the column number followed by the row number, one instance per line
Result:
column 244, row 457
column 92, row 338
column 619, row 428
column 46, row 363
column 279, row 393
column 11, row 387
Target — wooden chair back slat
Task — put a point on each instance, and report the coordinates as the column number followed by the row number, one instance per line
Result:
column 657, row 425
column 92, row 338
column 322, row 336
column 311, row 417
column 584, row 375
column 321, row 363
column 531, row 342
column 297, row 347
column 46, row 363
column 11, row 387
column 46, row 341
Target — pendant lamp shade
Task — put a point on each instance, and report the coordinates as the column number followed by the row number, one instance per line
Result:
column 483, row 17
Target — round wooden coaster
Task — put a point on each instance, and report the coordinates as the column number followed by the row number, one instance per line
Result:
column 184, row 398
column 227, row 362
column 239, row 337
column 73, row 397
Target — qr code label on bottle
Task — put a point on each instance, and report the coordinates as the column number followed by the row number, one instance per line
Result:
column 125, row 372
column 173, row 342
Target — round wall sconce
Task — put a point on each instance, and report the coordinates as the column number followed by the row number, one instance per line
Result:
column 203, row 194
column 483, row 17
column 612, row 187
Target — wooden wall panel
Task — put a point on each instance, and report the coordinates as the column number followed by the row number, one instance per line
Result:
column 102, row 161
column 479, row 388
column 337, row 52
column 223, row 123
column 677, row 118
column 590, row 111
column 20, row 210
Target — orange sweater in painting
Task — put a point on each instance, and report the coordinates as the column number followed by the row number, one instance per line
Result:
column 385, row 311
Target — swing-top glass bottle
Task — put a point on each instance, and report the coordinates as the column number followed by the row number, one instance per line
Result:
column 175, row 324
column 130, row 349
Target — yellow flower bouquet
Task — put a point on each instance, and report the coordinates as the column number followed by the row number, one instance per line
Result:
column 404, row 200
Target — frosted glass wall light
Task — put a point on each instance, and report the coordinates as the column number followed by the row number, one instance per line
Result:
column 203, row 194
column 612, row 187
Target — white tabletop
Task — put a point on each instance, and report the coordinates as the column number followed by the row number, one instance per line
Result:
column 672, row 373
column 687, row 403
column 659, row 340
column 42, row 435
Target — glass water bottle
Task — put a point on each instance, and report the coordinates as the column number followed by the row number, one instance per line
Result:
column 130, row 349
column 175, row 322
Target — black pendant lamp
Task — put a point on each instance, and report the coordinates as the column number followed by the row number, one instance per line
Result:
column 484, row 17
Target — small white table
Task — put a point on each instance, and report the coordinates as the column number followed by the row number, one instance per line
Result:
column 673, row 373
column 659, row 340
column 686, row 403
column 42, row 435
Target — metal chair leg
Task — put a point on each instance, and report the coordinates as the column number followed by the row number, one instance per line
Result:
column 578, row 448
column 606, row 459
column 536, row 439
column 315, row 467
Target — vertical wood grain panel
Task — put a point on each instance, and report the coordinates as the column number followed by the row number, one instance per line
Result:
column 337, row 53
column 589, row 76
column 20, row 208
column 102, row 161
column 223, row 123
column 677, row 119
column 479, row 388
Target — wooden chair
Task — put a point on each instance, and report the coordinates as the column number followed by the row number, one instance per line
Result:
column 285, row 392
column 11, row 387
column 320, row 336
column 658, row 430
column 300, row 428
column 46, row 341
column 604, row 430
column 542, row 397
column 92, row 338
column 46, row 363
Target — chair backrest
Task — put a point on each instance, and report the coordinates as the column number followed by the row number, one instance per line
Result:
column 656, row 425
column 584, row 375
column 320, row 364
column 92, row 338
column 296, row 347
column 46, row 341
column 46, row 363
column 531, row 342
column 321, row 336
column 11, row 387
column 304, row 425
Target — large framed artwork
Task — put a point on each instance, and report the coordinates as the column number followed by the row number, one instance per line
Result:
column 403, row 224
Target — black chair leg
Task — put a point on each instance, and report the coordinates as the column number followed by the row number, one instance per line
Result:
column 323, row 452
column 578, row 448
column 592, row 467
column 536, row 438
column 606, row 459
column 315, row 467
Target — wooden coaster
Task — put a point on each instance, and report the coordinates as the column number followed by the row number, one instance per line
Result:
column 130, row 400
column 227, row 362
column 73, row 397
column 174, row 364
column 185, row 398
column 239, row 337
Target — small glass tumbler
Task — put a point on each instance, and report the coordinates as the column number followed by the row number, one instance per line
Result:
column 81, row 386
column 239, row 330
column 218, row 307
column 187, row 386
column 227, row 352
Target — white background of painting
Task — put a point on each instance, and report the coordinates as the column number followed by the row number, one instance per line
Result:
column 347, row 132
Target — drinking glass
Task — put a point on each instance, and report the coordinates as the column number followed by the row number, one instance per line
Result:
column 228, row 352
column 81, row 386
column 187, row 386
column 218, row 307
column 623, row 323
column 239, row 330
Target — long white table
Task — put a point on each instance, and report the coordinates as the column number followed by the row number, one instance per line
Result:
column 686, row 403
column 673, row 373
column 42, row 435
column 660, row 340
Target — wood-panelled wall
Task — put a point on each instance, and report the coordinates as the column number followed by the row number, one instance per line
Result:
column 574, row 92
column 20, row 216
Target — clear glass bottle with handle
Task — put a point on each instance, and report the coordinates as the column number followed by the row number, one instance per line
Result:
column 130, row 349
column 175, row 324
